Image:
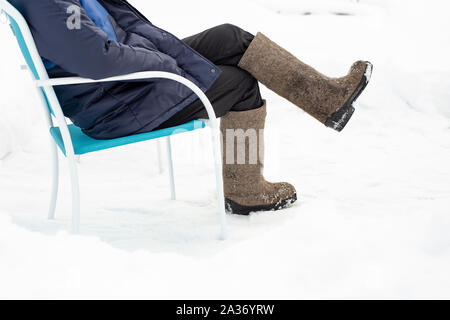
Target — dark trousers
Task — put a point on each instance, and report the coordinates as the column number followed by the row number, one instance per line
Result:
column 235, row 89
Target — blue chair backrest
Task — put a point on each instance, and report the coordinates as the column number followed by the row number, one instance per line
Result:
column 26, row 54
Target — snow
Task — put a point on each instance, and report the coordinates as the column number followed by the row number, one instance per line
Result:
column 373, row 216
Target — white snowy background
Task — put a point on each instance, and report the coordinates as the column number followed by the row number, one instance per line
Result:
column 373, row 216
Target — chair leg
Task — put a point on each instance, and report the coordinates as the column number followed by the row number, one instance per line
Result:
column 75, row 195
column 160, row 162
column 55, row 181
column 171, row 173
column 217, row 149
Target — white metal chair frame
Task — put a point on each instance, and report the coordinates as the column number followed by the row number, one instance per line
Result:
column 47, row 85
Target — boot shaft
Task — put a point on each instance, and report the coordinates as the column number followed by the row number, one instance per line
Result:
column 243, row 147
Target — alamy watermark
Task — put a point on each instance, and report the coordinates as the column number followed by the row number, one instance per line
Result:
column 73, row 22
column 248, row 143
column 239, row 146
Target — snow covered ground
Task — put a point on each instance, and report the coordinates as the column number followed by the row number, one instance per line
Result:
column 373, row 217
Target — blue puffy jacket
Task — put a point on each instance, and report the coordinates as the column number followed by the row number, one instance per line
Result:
column 114, row 39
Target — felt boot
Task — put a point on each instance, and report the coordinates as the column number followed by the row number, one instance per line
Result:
column 329, row 100
column 245, row 188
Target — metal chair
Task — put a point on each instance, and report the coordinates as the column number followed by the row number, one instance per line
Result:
column 73, row 142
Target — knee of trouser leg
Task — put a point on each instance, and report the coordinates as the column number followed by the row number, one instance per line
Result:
column 229, row 27
column 228, row 31
column 234, row 37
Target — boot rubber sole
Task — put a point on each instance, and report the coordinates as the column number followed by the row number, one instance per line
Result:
column 236, row 208
column 340, row 118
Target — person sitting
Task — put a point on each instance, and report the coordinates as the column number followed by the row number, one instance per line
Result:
column 111, row 38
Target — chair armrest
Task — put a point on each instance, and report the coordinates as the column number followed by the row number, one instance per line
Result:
column 137, row 76
column 132, row 76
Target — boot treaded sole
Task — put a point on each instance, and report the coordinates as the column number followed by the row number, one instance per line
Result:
column 236, row 208
column 340, row 118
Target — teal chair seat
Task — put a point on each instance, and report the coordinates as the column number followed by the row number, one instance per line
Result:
column 83, row 144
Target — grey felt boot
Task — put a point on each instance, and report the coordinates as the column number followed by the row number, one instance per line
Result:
column 329, row 100
column 245, row 188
